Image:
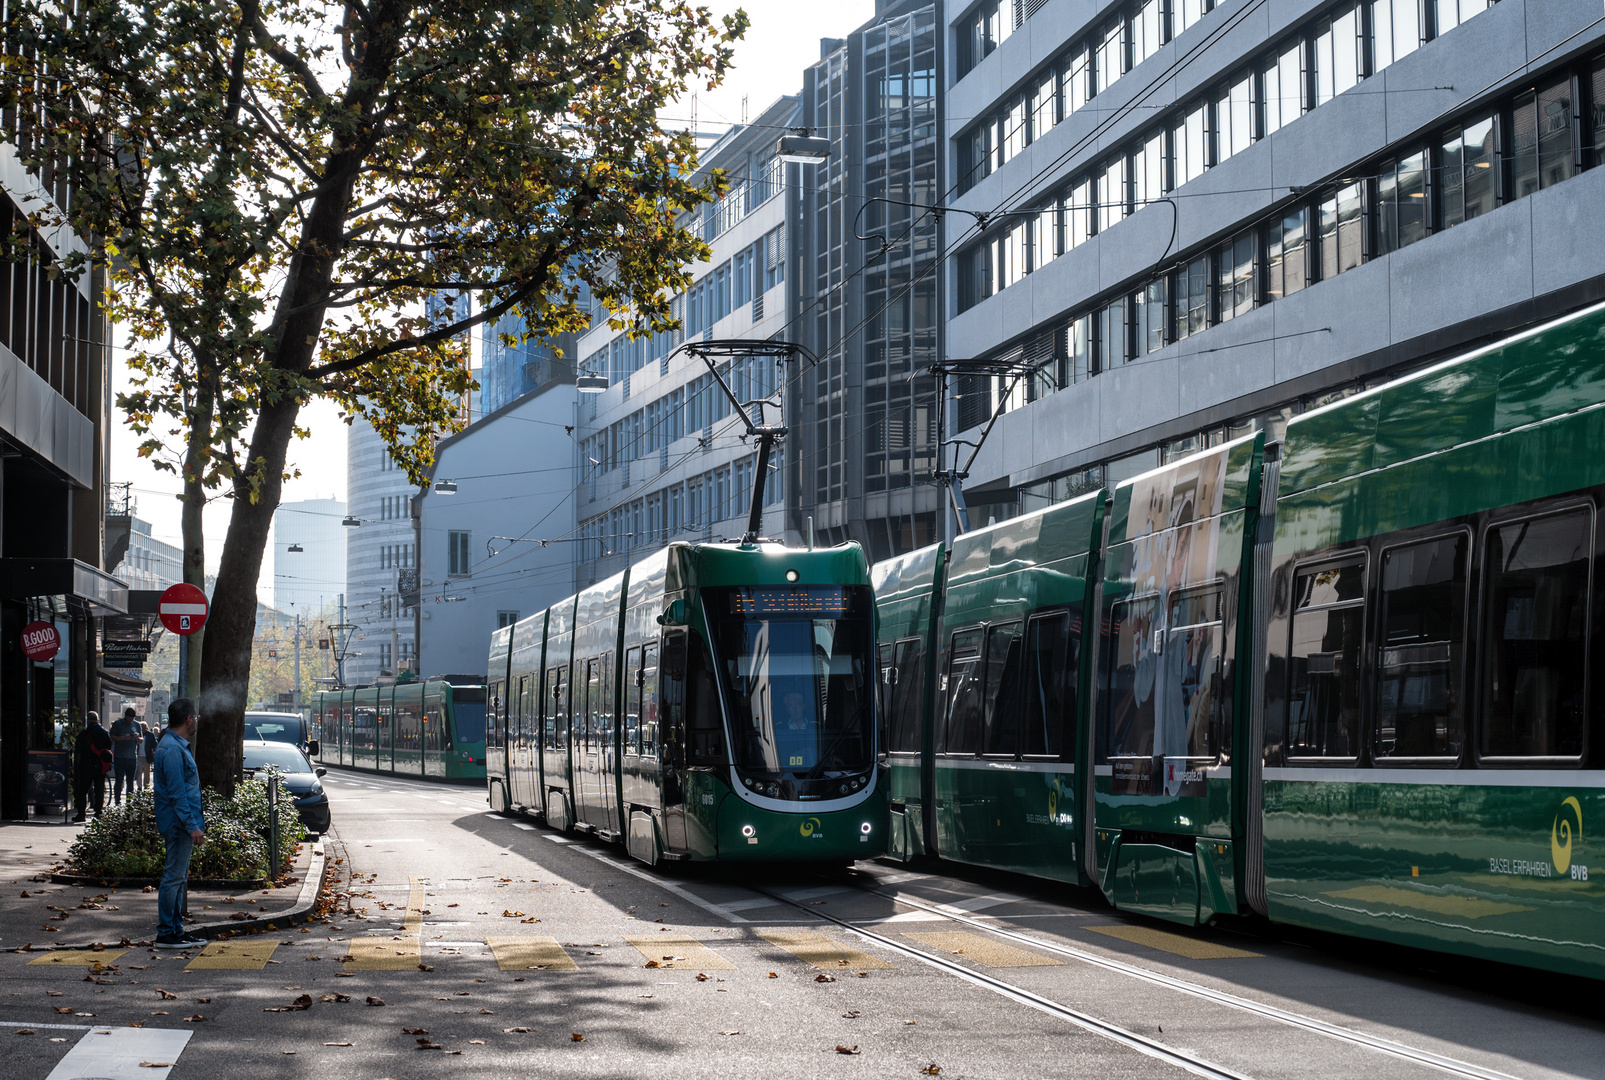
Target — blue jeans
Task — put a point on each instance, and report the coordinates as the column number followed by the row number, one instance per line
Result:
column 172, row 895
column 123, row 771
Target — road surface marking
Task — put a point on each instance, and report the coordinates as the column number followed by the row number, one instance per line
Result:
column 1178, row 944
column 522, row 825
column 680, row 954
column 116, row 1053
column 235, row 955
column 684, row 894
column 395, row 953
column 824, row 953
column 984, row 951
column 530, row 954
column 79, row 958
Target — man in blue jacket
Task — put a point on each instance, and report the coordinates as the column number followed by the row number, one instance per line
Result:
column 177, row 791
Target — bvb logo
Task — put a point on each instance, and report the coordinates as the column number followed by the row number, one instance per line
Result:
column 1560, row 834
column 812, row 827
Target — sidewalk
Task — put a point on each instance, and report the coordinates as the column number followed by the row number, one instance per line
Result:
column 49, row 915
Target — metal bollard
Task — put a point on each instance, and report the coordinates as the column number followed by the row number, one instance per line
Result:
column 273, row 828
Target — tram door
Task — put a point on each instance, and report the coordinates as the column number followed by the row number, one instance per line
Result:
column 672, row 718
column 596, row 750
column 519, row 755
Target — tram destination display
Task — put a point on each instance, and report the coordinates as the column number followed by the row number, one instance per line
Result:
column 832, row 602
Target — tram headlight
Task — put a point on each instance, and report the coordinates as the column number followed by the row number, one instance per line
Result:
column 793, row 576
column 749, row 831
column 864, row 828
column 842, row 789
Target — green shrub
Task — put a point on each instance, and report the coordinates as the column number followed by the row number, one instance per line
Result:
column 124, row 842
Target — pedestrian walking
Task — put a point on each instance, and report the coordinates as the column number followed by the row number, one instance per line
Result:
column 92, row 759
column 125, row 755
column 147, row 753
column 179, row 820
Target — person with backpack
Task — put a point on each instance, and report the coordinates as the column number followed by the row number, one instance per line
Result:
column 91, row 762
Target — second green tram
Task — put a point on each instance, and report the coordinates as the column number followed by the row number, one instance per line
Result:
column 1353, row 681
column 433, row 729
column 712, row 702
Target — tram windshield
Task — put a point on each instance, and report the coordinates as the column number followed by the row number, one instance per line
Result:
column 468, row 710
column 797, row 660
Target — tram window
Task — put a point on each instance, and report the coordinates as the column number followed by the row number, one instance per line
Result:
column 1536, row 605
column 705, row 719
column 1192, row 695
column 962, row 734
column 1422, row 650
column 647, row 696
column 1053, row 652
column 1133, row 670
column 1004, row 686
column 556, row 725
column 632, row 701
column 1323, row 668
column 908, row 696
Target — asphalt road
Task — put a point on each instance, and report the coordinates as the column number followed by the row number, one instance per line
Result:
column 484, row 946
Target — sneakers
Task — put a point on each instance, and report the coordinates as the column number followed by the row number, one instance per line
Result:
column 178, row 941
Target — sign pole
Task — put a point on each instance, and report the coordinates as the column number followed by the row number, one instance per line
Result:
column 183, row 666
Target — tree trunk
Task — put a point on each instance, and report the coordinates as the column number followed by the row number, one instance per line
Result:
column 231, row 625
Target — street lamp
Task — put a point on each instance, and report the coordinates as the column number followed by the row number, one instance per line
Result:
column 802, row 148
column 350, row 521
column 295, row 549
column 590, row 384
column 445, row 487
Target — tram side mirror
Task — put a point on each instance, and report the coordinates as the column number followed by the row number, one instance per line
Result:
column 674, row 656
column 673, row 615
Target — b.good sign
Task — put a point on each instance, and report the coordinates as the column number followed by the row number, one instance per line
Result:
column 40, row 641
column 182, row 609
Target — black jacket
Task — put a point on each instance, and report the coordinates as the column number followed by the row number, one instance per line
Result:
column 86, row 761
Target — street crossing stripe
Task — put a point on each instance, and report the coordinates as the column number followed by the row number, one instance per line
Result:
column 824, row 953
column 395, row 953
column 983, row 951
column 115, row 1053
column 234, row 956
column 680, row 954
column 79, row 957
column 530, row 953
column 1165, row 941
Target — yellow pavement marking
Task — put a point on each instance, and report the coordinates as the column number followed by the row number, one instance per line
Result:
column 235, row 955
column 824, row 953
column 681, row 953
column 79, row 957
column 396, row 953
column 1165, row 941
column 1464, row 907
column 983, row 950
column 530, row 954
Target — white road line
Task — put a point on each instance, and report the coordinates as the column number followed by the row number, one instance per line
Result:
column 116, row 1053
column 521, row 825
column 689, row 897
column 558, row 839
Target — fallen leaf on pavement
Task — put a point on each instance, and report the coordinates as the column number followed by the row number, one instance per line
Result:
column 426, row 967
column 730, row 1033
column 486, row 1012
column 425, row 1044
column 772, row 975
column 932, row 1069
column 840, row 1049
column 509, row 1031
column 375, row 1001
column 336, row 996
column 159, row 1012
column 474, row 1042
column 577, row 1037
column 196, row 1019
column 336, row 1044
column 701, row 977
column 652, row 964
column 165, row 996
column 65, row 1009
column 155, row 1064
column 345, row 974
column 26, row 1031
column 52, row 993
column 203, row 1001
column 286, row 1051
column 851, row 1014
column 414, row 1031
column 824, row 978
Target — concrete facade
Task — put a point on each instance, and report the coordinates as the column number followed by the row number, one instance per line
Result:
column 480, row 565
column 378, row 549
column 1412, row 295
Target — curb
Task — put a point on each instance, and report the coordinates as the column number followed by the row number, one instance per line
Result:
column 139, row 882
column 305, row 901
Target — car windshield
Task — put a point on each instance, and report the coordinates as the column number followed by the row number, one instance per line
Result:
column 287, row 758
column 796, row 662
column 273, row 728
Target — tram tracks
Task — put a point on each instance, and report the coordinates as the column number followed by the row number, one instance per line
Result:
column 1143, row 1044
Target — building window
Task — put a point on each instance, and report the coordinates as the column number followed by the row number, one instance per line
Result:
column 1338, row 45
column 1287, row 265
column 1541, row 153
column 1077, row 351
column 1342, row 228
column 1284, row 88
column 1234, row 119
column 1396, row 27
column 1402, row 203
column 1111, row 333
column 1191, row 293
column 1189, row 147
column 1235, row 264
column 457, row 560
column 1467, row 187
column 506, row 618
column 1148, row 318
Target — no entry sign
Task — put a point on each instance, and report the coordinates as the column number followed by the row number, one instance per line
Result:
column 40, row 640
column 182, row 609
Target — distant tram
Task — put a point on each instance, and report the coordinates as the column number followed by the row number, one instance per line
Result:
column 1353, row 681
column 712, row 702
column 433, row 729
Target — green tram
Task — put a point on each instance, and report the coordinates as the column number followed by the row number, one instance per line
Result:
column 712, row 702
column 433, row 729
column 1345, row 682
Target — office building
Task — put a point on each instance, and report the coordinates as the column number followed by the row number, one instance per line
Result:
column 149, row 563
column 380, row 551
column 1191, row 219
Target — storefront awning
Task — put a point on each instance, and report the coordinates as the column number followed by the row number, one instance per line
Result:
column 124, row 684
column 84, row 588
